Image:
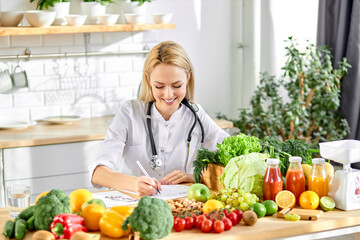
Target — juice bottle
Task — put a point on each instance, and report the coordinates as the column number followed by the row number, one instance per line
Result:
column 273, row 182
column 295, row 179
column 318, row 181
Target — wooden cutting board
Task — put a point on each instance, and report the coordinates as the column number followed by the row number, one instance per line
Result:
column 305, row 214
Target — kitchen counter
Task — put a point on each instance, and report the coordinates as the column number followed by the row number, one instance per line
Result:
column 331, row 223
column 84, row 130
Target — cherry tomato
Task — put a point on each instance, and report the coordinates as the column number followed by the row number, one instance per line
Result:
column 206, row 226
column 179, row 224
column 199, row 221
column 227, row 224
column 190, row 223
column 233, row 217
column 226, row 212
column 239, row 213
column 219, row 226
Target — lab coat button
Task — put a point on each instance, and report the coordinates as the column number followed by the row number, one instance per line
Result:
column 166, row 125
column 162, row 150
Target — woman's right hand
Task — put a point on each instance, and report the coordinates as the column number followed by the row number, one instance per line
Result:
column 147, row 186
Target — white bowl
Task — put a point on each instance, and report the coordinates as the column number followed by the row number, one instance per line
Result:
column 75, row 19
column 133, row 18
column 11, row 18
column 162, row 18
column 107, row 19
column 40, row 18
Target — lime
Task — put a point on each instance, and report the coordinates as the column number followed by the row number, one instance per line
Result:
column 271, row 207
column 259, row 209
column 327, row 203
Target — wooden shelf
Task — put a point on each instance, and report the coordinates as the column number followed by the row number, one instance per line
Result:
column 12, row 31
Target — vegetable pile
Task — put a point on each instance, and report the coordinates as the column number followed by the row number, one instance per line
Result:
column 242, row 145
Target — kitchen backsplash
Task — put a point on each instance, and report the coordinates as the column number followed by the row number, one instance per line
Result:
column 74, row 85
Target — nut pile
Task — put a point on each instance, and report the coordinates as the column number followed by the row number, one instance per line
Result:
column 178, row 206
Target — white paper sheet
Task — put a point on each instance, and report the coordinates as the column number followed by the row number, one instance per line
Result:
column 115, row 198
column 169, row 192
column 172, row 192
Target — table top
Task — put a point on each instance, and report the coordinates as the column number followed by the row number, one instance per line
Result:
column 265, row 228
column 84, row 130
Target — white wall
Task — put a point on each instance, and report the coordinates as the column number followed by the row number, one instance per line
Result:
column 62, row 86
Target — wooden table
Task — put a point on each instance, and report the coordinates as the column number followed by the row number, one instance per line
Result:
column 265, row 228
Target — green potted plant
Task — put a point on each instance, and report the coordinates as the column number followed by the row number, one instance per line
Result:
column 312, row 87
column 140, row 2
column 102, row 2
column 61, row 7
column 94, row 8
column 48, row 3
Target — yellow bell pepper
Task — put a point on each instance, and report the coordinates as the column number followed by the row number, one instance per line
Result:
column 112, row 220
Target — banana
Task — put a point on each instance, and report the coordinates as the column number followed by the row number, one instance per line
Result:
column 307, row 171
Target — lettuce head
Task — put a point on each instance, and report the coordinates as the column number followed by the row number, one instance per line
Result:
column 245, row 172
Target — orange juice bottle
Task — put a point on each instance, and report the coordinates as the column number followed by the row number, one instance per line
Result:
column 295, row 178
column 318, row 181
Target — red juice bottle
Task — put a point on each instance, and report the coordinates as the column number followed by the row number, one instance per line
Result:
column 273, row 182
column 295, row 179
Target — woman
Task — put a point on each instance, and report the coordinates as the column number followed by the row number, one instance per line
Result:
column 167, row 88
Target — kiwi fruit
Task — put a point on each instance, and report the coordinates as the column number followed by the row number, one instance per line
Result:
column 250, row 217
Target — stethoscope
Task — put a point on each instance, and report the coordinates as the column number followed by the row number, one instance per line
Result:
column 155, row 163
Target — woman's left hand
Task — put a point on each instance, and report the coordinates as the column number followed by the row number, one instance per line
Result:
column 177, row 177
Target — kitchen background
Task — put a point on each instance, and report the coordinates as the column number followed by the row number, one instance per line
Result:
column 209, row 30
column 229, row 41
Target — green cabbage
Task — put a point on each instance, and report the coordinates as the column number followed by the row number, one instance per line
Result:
column 245, row 172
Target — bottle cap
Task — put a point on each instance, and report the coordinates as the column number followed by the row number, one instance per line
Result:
column 318, row 160
column 295, row 159
column 272, row 161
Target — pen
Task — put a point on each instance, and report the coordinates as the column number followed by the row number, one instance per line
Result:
column 146, row 174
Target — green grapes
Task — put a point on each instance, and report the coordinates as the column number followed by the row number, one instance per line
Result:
column 236, row 198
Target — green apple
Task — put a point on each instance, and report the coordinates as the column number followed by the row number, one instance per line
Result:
column 94, row 200
column 198, row 192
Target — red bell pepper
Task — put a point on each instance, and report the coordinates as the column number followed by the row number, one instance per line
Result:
column 65, row 225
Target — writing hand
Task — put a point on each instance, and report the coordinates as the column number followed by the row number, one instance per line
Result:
column 147, row 186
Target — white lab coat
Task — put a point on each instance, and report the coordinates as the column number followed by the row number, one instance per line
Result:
column 127, row 140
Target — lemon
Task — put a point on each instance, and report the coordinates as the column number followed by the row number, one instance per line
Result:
column 211, row 205
column 327, row 203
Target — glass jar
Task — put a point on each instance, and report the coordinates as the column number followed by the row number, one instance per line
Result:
column 295, row 179
column 318, row 181
column 273, row 182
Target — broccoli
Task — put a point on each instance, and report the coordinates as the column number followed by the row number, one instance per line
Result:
column 152, row 218
column 48, row 206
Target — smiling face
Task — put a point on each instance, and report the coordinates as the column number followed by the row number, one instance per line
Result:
column 168, row 83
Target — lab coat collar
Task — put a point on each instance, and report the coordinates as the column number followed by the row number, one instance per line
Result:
column 176, row 115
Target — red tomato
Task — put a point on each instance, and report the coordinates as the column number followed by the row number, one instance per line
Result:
column 190, row 223
column 239, row 213
column 179, row 224
column 199, row 221
column 206, row 226
column 219, row 226
column 227, row 224
column 233, row 217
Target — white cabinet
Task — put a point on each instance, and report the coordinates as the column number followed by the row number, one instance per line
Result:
column 61, row 166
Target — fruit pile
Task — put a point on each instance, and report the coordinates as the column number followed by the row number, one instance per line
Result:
column 236, row 198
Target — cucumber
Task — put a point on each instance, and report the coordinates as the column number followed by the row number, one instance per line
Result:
column 30, row 223
column 9, row 229
column 20, row 229
column 27, row 213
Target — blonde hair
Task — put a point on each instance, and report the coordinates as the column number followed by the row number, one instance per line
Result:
column 167, row 52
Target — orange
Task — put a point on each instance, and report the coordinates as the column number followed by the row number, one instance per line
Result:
column 77, row 198
column 212, row 205
column 92, row 214
column 41, row 195
column 309, row 200
column 285, row 199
